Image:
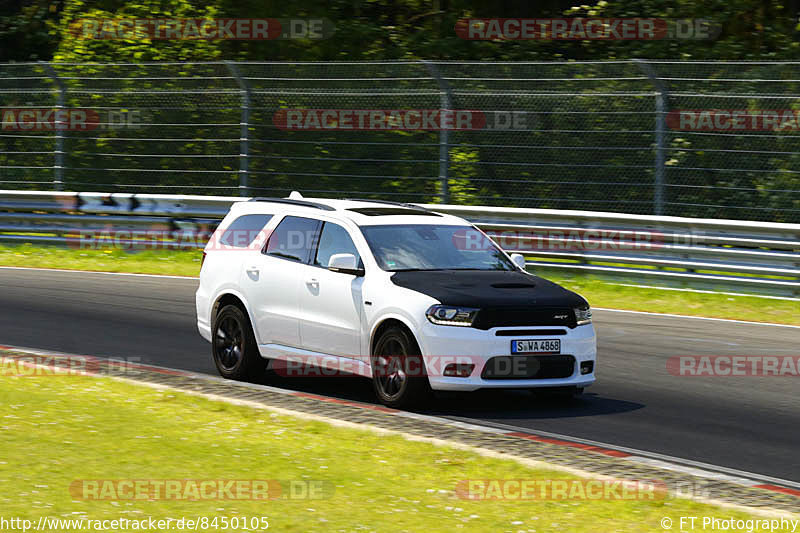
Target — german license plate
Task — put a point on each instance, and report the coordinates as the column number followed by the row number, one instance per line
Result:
column 536, row 346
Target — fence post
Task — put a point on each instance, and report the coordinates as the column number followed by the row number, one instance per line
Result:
column 444, row 135
column 244, row 145
column 662, row 104
column 58, row 165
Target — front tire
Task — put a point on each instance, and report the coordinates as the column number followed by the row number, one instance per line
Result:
column 398, row 370
column 234, row 346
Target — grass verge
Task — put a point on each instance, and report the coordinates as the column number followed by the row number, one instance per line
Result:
column 165, row 262
column 59, row 429
column 599, row 293
column 611, row 295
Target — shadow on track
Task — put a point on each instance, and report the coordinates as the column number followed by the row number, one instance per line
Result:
column 516, row 404
column 497, row 404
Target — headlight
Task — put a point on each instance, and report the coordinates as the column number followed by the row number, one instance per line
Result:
column 583, row 315
column 446, row 315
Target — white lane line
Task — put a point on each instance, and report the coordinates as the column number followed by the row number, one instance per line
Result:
column 678, row 464
column 669, row 315
column 694, row 471
column 98, row 272
column 452, row 423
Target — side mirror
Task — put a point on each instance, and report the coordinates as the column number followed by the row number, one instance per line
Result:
column 345, row 263
column 519, row 260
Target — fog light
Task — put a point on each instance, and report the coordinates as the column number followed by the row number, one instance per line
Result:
column 458, row 370
column 587, row 367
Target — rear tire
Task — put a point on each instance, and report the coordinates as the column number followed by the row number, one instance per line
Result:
column 398, row 370
column 234, row 346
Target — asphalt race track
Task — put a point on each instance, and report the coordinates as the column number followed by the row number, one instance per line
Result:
column 746, row 423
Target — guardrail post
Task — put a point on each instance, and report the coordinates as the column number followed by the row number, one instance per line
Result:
column 662, row 104
column 244, row 145
column 58, row 164
column 444, row 135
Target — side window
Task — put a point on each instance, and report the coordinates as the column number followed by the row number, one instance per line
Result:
column 293, row 239
column 334, row 239
column 244, row 230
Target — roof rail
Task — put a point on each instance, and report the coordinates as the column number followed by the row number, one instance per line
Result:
column 291, row 201
column 387, row 202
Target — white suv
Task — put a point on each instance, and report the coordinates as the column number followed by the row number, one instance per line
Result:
column 414, row 299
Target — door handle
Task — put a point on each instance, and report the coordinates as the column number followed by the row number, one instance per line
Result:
column 253, row 269
column 312, row 282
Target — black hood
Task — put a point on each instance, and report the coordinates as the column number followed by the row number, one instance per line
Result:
column 504, row 298
column 488, row 289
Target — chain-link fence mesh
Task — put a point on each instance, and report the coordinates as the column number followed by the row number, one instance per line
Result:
column 563, row 135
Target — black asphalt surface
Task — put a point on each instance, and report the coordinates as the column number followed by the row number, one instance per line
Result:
column 746, row 423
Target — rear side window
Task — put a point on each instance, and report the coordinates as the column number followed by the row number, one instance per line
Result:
column 293, row 239
column 334, row 239
column 244, row 230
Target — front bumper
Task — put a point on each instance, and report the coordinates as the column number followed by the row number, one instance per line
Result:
column 442, row 345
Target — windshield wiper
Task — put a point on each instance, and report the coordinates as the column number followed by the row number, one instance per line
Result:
column 418, row 269
column 480, row 269
column 449, row 269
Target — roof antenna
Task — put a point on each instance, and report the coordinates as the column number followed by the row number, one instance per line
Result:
column 295, row 196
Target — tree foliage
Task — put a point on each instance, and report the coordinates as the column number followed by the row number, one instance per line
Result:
column 374, row 30
column 385, row 29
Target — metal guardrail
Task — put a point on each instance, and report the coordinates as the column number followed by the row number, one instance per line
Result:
column 756, row 257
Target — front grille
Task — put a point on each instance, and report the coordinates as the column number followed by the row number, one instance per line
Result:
column 494, row 317
column 529, row 332
column 529, row 367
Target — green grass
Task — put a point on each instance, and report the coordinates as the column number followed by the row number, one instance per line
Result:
column 59, row 429
column 167, row 262
column 615, row 296
column 599, row 293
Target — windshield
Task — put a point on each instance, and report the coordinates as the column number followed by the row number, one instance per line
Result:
column 433, row 247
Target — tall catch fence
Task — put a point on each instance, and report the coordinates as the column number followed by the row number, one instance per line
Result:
column 697, row 139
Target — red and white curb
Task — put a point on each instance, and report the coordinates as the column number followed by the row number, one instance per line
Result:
column 666, row 462
column 694, row 468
